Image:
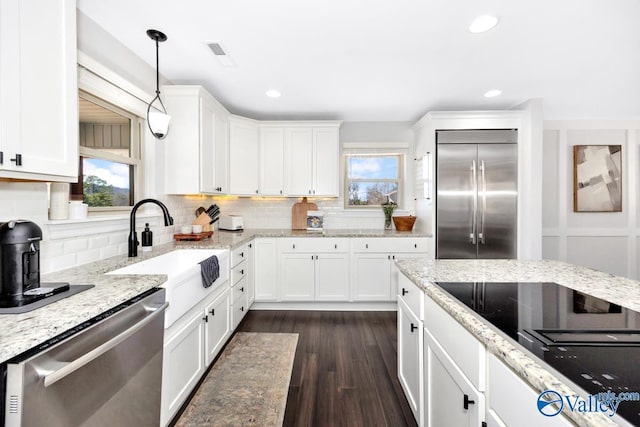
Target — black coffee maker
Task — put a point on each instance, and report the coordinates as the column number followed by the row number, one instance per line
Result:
column 19, row 258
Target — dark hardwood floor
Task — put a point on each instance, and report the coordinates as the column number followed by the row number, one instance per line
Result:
column 344, row 372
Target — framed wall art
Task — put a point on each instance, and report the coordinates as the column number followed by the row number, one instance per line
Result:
column 597, row 178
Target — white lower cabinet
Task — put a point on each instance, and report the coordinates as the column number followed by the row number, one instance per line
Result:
column 217, row 326
column 265, row 269
column 314, row 269
column 450, row 399
column 373, row 259
column 190, row 345
column 410, row 357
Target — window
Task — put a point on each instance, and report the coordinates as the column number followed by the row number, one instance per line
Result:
column 110, row 164
column 373, row 179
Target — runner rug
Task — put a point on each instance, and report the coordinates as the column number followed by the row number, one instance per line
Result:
column 248, row 384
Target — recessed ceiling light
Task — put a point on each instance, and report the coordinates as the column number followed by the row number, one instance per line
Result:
column 272, row 93
column 492, row 93
column 483, row 23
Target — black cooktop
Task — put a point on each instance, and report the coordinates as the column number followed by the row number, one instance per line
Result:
column 594, row 343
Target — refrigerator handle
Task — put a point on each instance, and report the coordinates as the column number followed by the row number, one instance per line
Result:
column 484, row 202
column 474, row 212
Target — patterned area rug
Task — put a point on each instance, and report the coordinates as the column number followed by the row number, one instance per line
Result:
column 248, row 384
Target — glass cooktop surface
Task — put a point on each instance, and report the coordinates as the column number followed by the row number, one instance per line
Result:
column 589, row 340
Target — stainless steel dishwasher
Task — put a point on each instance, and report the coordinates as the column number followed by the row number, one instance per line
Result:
column 104, row 372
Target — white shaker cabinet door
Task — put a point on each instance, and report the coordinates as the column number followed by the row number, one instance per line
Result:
column 272, row 161
column 326, row 161
column 266, row 259
column 217, row 325
column 182, row 366
column 372, row 277
column 207, row 147
column 332, row 277
column 297, row 277
column 39, row 87
column 243, row 157
column 299, row 161
column 409, row 358
column 450, row 399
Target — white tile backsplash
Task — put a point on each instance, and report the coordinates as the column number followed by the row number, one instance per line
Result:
column 68, row 244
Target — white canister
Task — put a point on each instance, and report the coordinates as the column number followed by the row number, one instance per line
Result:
column 78, row 210
column 59, row 201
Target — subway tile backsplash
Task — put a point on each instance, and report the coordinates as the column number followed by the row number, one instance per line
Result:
column 67, row 245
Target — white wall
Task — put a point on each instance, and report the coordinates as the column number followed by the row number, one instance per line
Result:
column 607, row 241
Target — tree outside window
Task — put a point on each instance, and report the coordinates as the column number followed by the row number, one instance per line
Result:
column 372, row 179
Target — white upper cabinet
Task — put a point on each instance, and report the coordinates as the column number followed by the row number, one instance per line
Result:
column 38, row 90
column 299, row 161
column 271, row 161
column 326, row 153
column 196, row 145
column 312, row 160
column 243, row 156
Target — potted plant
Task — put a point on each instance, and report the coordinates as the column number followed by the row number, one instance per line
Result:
column 388, row 207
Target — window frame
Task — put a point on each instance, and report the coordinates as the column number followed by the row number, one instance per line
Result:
column 135, row 155
column 374, row 153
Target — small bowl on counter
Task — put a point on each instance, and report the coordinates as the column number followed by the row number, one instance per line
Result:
column 404, row 223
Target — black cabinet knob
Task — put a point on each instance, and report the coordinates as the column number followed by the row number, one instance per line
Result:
column 241, row 308
column 467, row 402
column 17, row 159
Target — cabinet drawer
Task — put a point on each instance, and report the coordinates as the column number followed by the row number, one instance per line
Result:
column 238, row 255
column 239, row 309
column 513, row 400
column 313, row 244
column 411, row 295
column 239, row 289
column 390, row 244
column 238, row 272
column 465, row 350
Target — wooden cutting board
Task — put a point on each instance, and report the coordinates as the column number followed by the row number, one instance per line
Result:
column 299, row 214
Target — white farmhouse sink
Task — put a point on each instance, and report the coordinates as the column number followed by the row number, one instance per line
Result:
column 184, row 284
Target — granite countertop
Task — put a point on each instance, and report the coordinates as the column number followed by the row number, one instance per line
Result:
column 618, row 290
column 20, row 332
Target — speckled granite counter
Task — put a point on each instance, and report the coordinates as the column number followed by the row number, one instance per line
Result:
column 20, row 332
column 618, row 290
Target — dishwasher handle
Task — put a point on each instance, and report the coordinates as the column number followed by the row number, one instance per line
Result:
column 71, row 367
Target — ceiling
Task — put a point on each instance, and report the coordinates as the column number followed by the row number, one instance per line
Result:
column 375, row 60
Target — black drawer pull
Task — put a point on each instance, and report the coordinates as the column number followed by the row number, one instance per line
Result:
column 404, row 291
column 212, row 312
column 467, row 402
column 336, row 246
column 17, row 159
column 241, row 308
column 413, row 327
column 241, row 254
column 206, row 318
column 242, row 272
column 242, row 289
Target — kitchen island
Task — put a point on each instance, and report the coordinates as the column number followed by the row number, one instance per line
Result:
column 536, row 373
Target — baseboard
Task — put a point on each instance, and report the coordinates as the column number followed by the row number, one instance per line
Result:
column 327, row 306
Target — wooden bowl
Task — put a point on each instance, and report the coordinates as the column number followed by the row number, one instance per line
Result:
column 404, row 223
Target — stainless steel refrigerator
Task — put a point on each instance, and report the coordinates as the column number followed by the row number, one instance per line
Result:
column 477, row 193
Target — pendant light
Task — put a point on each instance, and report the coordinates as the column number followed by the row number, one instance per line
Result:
column 157, row 117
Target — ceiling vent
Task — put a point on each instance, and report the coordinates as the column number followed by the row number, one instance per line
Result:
column 220, row 54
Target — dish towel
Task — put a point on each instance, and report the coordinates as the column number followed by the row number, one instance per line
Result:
column 209, row 270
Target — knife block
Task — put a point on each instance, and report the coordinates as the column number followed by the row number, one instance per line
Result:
column 203, row 219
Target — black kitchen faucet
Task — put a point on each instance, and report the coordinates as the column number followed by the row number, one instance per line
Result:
column 133, row 237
